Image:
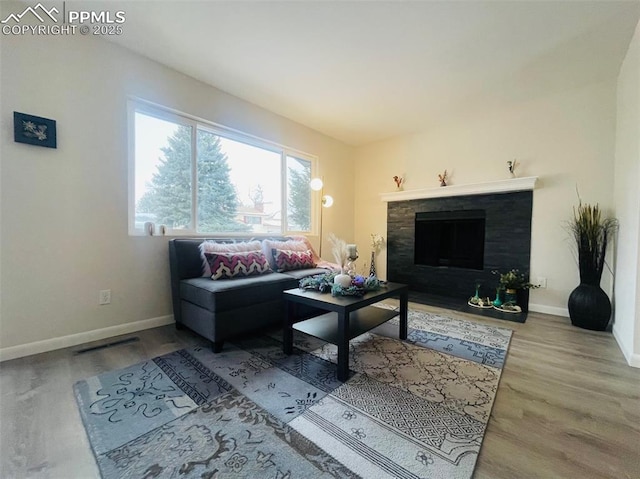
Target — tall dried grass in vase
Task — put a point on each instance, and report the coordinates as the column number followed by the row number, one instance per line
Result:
column 589, row 306
column 339, row 251
column 592, row 232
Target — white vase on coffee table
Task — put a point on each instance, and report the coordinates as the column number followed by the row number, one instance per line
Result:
column 342, row 279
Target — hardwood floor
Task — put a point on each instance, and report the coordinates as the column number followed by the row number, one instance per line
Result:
column 568, row 405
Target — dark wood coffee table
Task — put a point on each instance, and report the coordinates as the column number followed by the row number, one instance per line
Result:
column 346, row 318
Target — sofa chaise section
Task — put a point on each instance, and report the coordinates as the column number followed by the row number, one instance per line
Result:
column 223, row 308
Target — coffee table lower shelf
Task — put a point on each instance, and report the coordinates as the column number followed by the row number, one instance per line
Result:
column 325, row 326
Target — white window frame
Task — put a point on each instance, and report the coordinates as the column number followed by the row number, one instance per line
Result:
column 135, row 105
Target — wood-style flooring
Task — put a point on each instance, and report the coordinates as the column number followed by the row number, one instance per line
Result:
column 568, row 405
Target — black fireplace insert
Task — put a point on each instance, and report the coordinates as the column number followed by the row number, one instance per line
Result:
column 450, row 238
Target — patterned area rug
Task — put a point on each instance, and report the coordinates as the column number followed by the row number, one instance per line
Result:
column 410, row 409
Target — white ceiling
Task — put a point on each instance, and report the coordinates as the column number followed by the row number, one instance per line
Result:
column 365, row 71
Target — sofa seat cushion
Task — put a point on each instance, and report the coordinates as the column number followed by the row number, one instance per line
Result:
column 225, row 294
column 298, row 274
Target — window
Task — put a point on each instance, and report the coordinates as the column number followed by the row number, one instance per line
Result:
column 198, row 178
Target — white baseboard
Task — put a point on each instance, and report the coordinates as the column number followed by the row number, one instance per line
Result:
column 543, row 308
column 633, row 359
column 52, row 344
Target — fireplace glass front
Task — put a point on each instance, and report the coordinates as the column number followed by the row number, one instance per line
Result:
column 450, row 238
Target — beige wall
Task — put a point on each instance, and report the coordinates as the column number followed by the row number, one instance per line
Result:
column 626, row 328
column 566, row 138
column 64, row 211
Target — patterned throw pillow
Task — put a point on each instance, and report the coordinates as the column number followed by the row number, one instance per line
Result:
column 268, row 245
column 230, row 265
column 287, row 260
column 209, row 246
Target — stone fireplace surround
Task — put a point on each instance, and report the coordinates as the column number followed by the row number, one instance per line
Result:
column 508, row 206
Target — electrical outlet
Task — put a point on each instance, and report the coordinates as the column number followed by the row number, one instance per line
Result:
column 542, row 282
column 104, row 297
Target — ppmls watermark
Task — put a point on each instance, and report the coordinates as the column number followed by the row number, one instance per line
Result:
column 38, row 20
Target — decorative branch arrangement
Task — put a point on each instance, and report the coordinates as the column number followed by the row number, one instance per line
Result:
column 443, row 178
column 512, row 167
column 589, row 305
column 592, row 231
column 398, row 180
column 514, row 279
column 339, row 250
column 376, row 242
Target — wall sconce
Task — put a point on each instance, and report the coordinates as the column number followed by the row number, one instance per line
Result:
column 317, row 184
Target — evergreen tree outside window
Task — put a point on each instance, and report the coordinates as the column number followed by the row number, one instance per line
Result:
column 198, row 178
column 299, row 197
column 218, row 200
column 163, row 173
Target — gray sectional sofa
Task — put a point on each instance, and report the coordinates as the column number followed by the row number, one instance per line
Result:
column 223, row 308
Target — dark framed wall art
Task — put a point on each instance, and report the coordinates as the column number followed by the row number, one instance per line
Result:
column 34, row 130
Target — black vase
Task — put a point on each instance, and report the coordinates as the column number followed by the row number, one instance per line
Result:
column 589, row 307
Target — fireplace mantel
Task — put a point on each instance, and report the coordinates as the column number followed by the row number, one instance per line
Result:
column 500, row 186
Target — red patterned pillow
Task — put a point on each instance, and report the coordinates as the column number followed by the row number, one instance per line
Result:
column 229, row 265
column 287, row 260
column 212, row 246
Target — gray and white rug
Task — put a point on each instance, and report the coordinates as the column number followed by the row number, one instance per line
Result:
column 410, row 409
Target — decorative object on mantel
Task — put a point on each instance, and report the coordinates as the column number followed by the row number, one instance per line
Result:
column 34, row 130
column 512, row 167
column 398, row 180
column 376, row 243
column 443, row 178
column 589, row 305
column 507, row 185
column 507, row 290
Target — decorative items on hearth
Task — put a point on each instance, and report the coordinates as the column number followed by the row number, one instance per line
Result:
column 477, row 302
column 443, row 178
column 507, row 290
column 589, row 305
column 514, row 280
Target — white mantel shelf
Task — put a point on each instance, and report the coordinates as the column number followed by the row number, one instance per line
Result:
column 500, row 186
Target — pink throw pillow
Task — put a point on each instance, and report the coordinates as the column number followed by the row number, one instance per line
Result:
column 215, row 247
column 230, row 265
column 268, row 245
column 288, row 260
